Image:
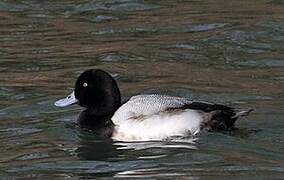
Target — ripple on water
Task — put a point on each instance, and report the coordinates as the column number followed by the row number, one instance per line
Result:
column 6, row 92
column 12, row 6
column 275, row 26
column 84, row 166
column 186, row 143
column 248, row 39
column 19, row 131
column 181, row 46
column 103, row 18
column 37, row 109
column 120, row 57
column 133, row 31
column 263, row 63
column 204, row 27
column 113, row 5
column 138, row 30
column 32, row 156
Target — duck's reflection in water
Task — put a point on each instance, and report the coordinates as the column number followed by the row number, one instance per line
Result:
column 176, row 142
column 97, row 148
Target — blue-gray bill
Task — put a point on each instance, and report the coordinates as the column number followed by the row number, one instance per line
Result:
column 69, row 100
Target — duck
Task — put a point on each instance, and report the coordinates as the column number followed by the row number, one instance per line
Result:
column 144, row 117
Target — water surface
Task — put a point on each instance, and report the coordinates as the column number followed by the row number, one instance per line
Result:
column 229, row 53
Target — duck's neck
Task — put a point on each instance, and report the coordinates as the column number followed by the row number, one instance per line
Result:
column 98, row 118
column 101, row 125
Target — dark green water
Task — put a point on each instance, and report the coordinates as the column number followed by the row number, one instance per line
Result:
column 229, row 52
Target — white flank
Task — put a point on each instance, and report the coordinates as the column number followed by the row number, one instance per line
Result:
column 148, row 117
column 159, row 126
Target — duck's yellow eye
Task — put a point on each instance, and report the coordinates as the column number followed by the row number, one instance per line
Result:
column 85, row 85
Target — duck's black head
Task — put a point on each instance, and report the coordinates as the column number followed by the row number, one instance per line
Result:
column 98, row 92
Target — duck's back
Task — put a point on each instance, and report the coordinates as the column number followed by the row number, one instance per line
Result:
column 147, row 105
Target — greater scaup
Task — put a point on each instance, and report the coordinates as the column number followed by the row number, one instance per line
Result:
column 143, row 117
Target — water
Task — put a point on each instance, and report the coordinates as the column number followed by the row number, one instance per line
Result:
column 229, row 53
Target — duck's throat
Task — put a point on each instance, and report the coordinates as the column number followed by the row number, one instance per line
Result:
column 100, row 125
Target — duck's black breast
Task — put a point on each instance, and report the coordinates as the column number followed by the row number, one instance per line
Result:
column 100, row 125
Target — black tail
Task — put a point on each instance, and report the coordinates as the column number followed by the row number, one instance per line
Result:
column 224, row 119
column 217, row 117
